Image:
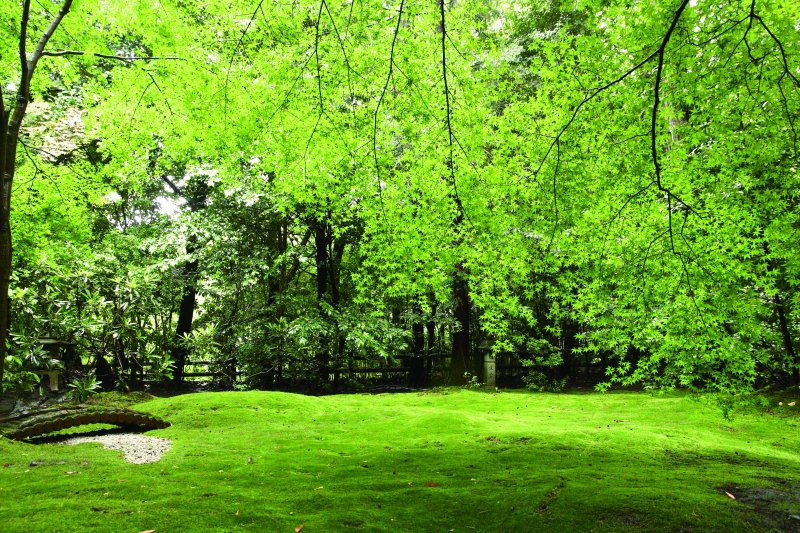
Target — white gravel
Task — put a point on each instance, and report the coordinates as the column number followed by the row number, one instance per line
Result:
column 138, row 449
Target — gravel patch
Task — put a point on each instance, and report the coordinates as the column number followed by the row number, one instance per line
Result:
column 137, row 449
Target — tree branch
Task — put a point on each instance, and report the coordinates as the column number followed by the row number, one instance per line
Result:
column 60, row 53
column 43, row 40
column 777, row 42
column 23, row 56
column 380, row 101
column 654, row 118
column 233, row 54
column 316, row 57
column 451, row 163
column 171, row 185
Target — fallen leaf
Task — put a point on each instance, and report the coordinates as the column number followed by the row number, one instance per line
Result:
column 299, row 528
column 432, row 484
column 70, row 472
column 6, row 465
column 148, row 531
column 731, row 496
column 791, row 404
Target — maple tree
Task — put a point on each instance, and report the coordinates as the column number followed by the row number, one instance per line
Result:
column 605, row 183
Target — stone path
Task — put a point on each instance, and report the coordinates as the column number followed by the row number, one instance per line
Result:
column 137, row 448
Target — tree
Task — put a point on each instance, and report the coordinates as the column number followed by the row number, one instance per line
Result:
column 10, row 123
column 553, row 178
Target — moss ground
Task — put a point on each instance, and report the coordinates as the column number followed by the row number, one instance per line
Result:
column 453, row 460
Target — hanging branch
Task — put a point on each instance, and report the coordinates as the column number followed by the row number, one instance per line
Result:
column 658, row 53
column 316, row 58
column 786, row 70
column 654, row 122
column 289, row 93
column 778, row 43
column 380, row 101
column 450, row 163
column 586, row 100
column 344, row 51
column 61, row 53
column 233, row 54
column 322, row 112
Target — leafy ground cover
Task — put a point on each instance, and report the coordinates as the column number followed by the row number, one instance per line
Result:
column 452, row 460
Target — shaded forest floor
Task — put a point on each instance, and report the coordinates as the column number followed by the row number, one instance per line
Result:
column 448, row 460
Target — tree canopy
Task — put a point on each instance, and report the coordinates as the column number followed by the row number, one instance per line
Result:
column 295, row 186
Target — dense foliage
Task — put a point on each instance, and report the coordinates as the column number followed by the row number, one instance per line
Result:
column 295, row 187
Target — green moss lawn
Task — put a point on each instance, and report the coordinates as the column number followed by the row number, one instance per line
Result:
column 454, row 460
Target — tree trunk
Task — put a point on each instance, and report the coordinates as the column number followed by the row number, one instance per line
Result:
column 783, row 323
column 431, row 327
column 334, row 270
column 6, row 154
column 180, row 352
column 322, row 258
column 788, row 345
column 460, row 362
column 11, row 124
column 416, row 371
column 430, row 347
column 9, row 134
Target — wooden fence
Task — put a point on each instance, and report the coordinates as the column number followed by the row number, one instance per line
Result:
column 506, row 370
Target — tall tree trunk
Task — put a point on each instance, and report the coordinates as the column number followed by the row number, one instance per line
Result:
column 431, row 347
column 786, row 335
column 416, row 370
column 337, row 252
column 783, row 323
column 5, row 233
column 11, row 123
column 180, row 352
column 460, row 362
column 322, row 258
column 9, row 135
column 431, row 330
